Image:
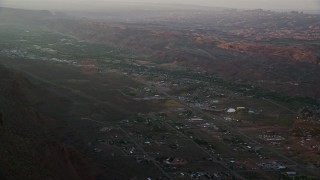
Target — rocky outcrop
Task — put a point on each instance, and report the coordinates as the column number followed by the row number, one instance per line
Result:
column 296, row 53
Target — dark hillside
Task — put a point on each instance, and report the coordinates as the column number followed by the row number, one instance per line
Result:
column 26, row 149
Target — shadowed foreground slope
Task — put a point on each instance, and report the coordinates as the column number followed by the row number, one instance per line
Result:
column 26, row 149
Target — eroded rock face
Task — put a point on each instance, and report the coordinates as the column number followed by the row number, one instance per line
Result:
column 296, row 53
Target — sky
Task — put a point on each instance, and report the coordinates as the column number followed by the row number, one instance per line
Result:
column 242, row 4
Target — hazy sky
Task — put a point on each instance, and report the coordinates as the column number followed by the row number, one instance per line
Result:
column 247, row 4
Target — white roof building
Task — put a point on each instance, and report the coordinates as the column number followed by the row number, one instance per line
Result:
column 231, row 110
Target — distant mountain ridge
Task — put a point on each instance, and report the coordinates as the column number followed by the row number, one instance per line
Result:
column 231, row 44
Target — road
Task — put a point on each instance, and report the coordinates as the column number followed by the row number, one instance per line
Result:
column 136, row 144
column 220, row 121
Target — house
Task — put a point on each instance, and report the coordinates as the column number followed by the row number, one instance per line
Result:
column 251, row 112
column 291, row 174
column 240, row 108
column 231, row 110
column 196, row 119
column 178, row 162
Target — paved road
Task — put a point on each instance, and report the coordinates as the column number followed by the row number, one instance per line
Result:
column 136, row 144
column 220, row 121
